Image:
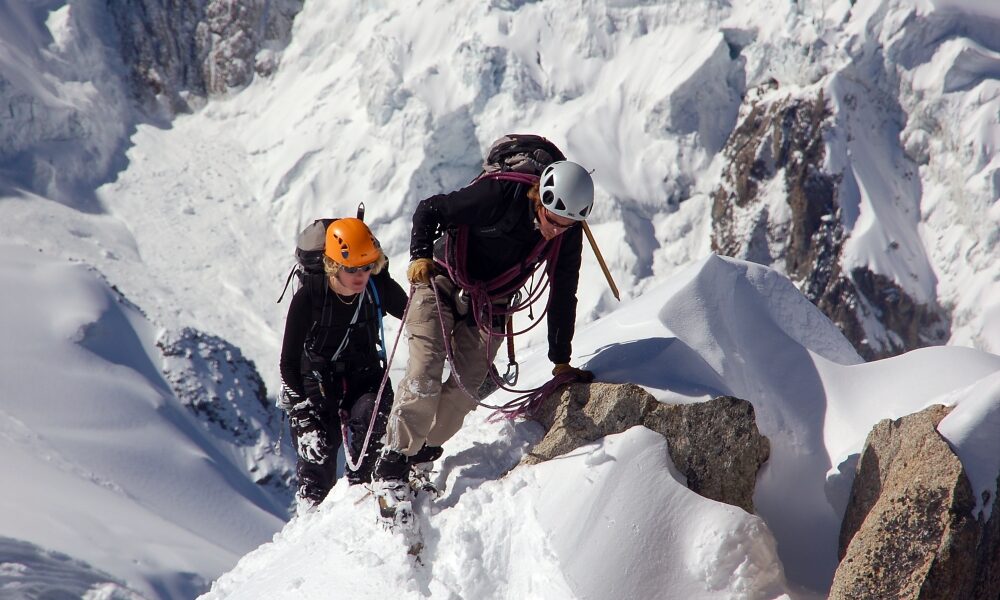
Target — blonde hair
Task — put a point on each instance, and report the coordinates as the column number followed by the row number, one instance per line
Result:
column 332, row 267
column 534, row 195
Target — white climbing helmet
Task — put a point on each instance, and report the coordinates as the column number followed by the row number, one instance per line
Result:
column 567, row 190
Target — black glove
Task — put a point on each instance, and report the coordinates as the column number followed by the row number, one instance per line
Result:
column 310, row 437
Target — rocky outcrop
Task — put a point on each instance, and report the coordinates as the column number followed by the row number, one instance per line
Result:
column 240, row 38
column 909, row 530
column 715, row 444
column 175, row 51
column 781, row 143
column 224, row 391
column 987, row 586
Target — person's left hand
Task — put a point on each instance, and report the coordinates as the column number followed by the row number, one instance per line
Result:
column 581, row 375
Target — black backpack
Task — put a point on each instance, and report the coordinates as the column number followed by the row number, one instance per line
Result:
column 518, row 157
column 309, row 248
column 520, row 153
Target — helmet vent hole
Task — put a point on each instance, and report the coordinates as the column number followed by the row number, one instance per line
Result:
column 547, row 198
column 560, row 205
column 549, row 181
column 586, row 211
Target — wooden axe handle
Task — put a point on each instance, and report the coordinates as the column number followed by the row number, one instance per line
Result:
column 600, row 260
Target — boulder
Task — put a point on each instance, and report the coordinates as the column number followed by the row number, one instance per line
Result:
column 909, row 530
column 987, row 586
column 715, row 444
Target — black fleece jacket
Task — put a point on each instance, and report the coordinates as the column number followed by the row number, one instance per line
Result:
column 301, row 326
column 502, row 234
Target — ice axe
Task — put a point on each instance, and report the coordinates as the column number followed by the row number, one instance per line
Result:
column 600, row 260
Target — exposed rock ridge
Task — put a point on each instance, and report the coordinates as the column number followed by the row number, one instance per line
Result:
column 715, row 444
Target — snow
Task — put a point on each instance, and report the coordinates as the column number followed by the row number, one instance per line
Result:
column 971, row 429
column 525, row 538
column 120, row 475
column 116, row 230
column 719, row 326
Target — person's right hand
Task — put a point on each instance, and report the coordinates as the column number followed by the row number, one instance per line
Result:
column 420, row 271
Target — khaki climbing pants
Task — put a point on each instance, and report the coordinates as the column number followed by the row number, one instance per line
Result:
column 427, row 410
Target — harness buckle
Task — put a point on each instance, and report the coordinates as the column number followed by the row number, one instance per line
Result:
column 513, row 371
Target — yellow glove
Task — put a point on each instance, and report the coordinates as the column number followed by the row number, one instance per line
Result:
column 581, row 375
column 420, row 271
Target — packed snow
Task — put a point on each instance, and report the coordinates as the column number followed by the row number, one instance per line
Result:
column 117, row 232
column 613, row 519
column 108, row 467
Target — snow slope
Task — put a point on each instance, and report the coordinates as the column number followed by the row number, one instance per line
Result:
column 100, row 460
column 613, row 519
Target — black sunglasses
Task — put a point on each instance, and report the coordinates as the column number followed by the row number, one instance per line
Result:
column 362, row 268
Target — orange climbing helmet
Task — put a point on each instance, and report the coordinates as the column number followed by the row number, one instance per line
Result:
column 350, row 243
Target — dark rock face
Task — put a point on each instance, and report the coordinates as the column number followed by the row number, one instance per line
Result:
column 715, row 444
column 783, row 137
column 156, row 42
column 804, row 236
column 987, row 586
column 176, row 49
column 239, row 38
column 223, row 389
column 909, row 530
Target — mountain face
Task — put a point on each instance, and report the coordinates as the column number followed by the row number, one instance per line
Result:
column 178, row 53
column 781, row 144
column 114, row 65
column 856, row 220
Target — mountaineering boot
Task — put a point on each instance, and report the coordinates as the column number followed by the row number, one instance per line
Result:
column 422, row 468
column 392, row 491
column 395, row 503
column 420, row 479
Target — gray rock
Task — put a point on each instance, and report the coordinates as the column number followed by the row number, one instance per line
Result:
column 988, row 556
column 715, row 444
column 909, row 531
column 239, row 38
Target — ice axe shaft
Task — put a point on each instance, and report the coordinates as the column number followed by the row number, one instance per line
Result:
column 600, row 260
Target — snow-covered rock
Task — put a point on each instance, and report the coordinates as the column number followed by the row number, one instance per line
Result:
column 224, row 391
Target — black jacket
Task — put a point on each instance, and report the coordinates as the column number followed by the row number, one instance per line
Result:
column 305, row 342
column 502, row 234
